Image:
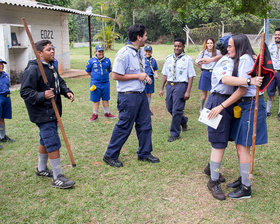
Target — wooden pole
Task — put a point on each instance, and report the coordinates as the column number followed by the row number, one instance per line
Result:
column 89, row 37
column 52, row 99
column 256, row 109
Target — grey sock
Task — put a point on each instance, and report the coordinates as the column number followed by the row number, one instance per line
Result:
column 244, row 170
column 106, row 110
column 56, row 166
column 202, row 104
column 42, row 161
column 215, row 170
column 268, row 105
column 2, row 131
column 149, row 100
column 95, row 112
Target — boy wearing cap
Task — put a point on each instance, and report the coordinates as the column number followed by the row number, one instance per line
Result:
column 151, row 70
column 5, row 102
column 99, row 68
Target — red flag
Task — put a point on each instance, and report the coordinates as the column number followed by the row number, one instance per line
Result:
column 267, row 69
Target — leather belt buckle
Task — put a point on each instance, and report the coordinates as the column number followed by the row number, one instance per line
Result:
column 172, row 83
column 210, row 70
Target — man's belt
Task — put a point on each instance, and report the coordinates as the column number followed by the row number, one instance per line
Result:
column 174, row 83
column 131, row 92
column 249, row 98
column 208, row 70
column 219, row 94
column 5, row 94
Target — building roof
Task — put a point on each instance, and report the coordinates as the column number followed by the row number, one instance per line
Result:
column 41, row 5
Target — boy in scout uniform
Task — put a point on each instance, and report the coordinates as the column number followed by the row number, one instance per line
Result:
column 178, row 71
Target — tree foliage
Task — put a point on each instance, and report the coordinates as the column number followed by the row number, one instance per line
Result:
column 63, row 3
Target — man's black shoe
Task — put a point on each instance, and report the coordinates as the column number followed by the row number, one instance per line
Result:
column 235, row 184
column 268, row 114
column 172, row 138
column 6, row 139
column 215, row 189
column 207, row 171
column 112, row 162
column 184, row 127
column 150, row 158
column 241, row 192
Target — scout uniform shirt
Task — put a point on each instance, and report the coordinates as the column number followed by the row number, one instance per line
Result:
column 151, row 66
column 99, row 69
column 4, row 84
column 275, row 55
column 207, row 54
column 127, row 61
column 179, row 71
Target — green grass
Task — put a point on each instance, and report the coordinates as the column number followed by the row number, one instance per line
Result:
column 173, row 191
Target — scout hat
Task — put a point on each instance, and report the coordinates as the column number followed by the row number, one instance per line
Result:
column 99, row 47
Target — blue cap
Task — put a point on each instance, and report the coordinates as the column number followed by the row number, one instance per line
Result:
column 99, row 47
column 148, row 48
column 2, row 61
column 222, row 42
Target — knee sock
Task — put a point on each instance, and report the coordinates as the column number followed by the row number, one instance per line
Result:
column 149, row 100
column 268, row 106
column 2, row 131
column 42, row 161
column 244, row 171
column 95, row 112
column 56, row 167
column 202, row 104
column 215, row 170
column 106, row 110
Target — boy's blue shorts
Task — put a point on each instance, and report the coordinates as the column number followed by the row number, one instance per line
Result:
column 150, row 88
column 102, row 91
column 49, row 136
column 5, row 107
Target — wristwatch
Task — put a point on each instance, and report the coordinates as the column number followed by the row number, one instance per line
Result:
column 249, row 81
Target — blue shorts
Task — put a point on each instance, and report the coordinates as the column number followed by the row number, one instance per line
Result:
column 205, row 81
column 49, row 136
column 102, row 91
column 219, row 137
column 5, row 107
column 150, row 88
column 243, row 127
column 271, row 89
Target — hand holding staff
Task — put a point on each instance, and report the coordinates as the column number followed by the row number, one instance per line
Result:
column 52, row 99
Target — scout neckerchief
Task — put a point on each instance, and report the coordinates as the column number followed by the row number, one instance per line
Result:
column 174, row 65
column 51, row 67
column 100, row 63
column 150, row 62
column 130, row 45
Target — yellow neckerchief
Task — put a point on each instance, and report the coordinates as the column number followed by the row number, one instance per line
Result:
column 150, row 62
column 100, row 63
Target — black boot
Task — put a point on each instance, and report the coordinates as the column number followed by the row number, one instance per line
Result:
column 215, row 188
column 241, row 192
column 235, row 184
column 207, row 171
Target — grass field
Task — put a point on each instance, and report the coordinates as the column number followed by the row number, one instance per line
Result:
column 173, row 191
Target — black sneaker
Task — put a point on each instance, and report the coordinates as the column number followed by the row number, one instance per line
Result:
column 215, row 189
column 207, row 171
column 62, row 182
column 241, row 192
column 150, row 158
column 44, row 173
column 112, row 162
column 172, row 138
column 6, row 139
column 268, row 114
column 235, row 184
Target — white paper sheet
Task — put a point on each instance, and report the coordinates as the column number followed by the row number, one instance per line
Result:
column 213, row 123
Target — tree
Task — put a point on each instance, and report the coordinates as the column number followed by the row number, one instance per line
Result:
column 63, row 3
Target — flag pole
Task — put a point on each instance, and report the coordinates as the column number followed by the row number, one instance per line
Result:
column 52, row 99
column 256, row 109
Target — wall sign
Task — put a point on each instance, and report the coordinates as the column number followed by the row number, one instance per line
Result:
column 47, row 34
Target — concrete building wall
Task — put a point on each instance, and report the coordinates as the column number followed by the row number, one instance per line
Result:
column 44, row 24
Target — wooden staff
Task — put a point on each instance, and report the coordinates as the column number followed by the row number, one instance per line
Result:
column 52, row 99
column 256, row 109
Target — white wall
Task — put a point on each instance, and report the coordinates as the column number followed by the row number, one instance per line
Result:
column 45, row 24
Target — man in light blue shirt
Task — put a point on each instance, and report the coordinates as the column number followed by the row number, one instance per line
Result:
column 274, row 50
column 129, row 71
column 178, row 72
